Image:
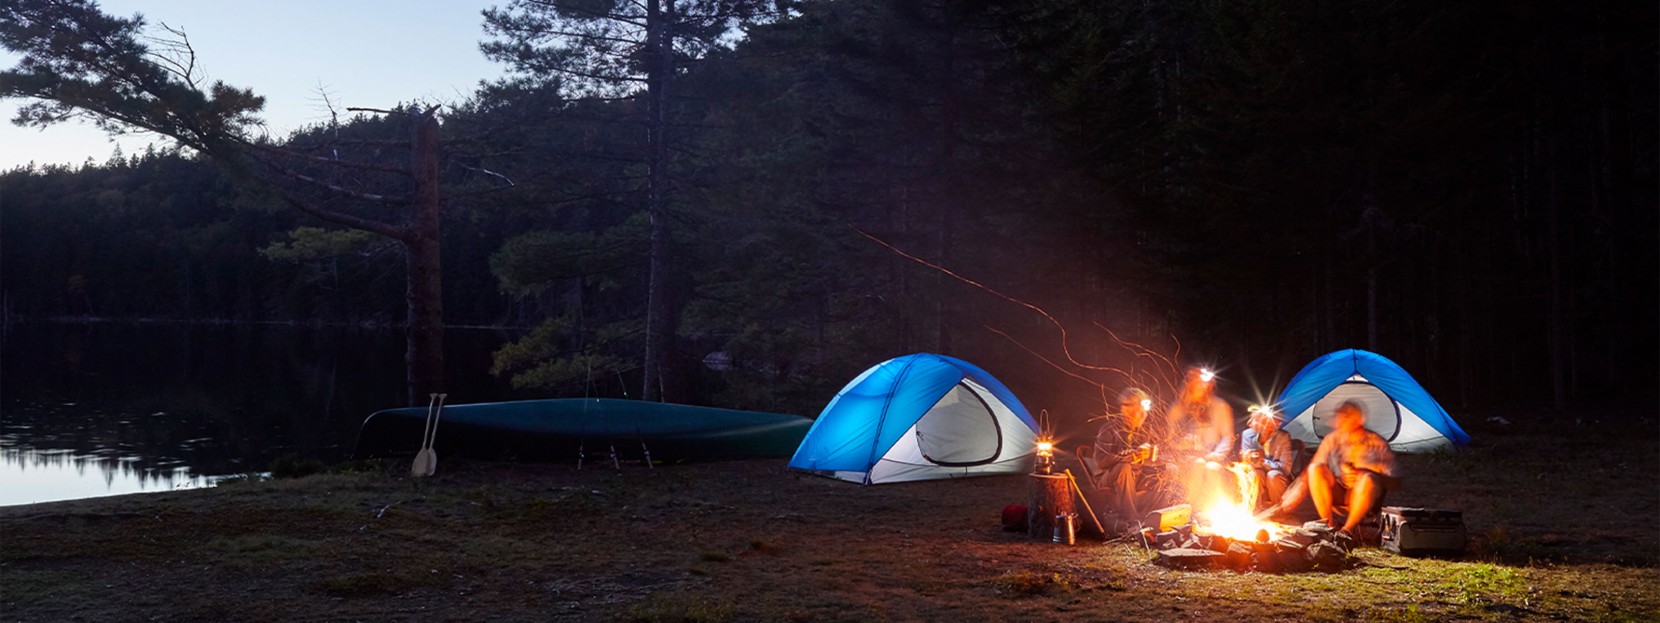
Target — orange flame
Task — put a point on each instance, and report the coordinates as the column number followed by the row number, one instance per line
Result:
column 1226, row 517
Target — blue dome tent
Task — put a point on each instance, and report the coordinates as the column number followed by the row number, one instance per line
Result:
column 919, row 417
column 1396, row 406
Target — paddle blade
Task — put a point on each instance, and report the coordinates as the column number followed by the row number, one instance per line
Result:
column 426, row 462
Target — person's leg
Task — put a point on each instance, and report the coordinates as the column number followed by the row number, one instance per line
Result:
column 1293, row 498
column 1275, row 483
column 1321, row 482
column 1121, row 479
column 1363, row 499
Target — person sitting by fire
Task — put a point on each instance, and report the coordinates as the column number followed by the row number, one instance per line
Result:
column 1201, row 430
column 1352, row 464
column 1270, row 453
column 1122, row 458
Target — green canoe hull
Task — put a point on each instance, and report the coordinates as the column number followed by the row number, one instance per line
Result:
column 564, row 429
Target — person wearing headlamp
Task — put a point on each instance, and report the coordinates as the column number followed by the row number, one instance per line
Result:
column 1201, row 432
column 1269, row 452
column 1122, row 458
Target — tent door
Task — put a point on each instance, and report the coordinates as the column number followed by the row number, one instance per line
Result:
column 960, row 430
column 1383, row 414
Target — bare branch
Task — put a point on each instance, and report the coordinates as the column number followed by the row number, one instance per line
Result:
column 344, row 164
column 379, row 110
column 179, row 46
column 597, row 77
column 399, row 200
column 332, row 216
column 352, row 143
column 577, row 10
column 488, row 172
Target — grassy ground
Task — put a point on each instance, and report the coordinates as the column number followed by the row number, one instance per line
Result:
column 1563, row 528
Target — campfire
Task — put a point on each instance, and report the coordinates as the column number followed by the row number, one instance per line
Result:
column 1226, row 534
column 1226, row 517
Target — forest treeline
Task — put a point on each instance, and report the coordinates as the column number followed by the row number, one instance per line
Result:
column 1064, row 191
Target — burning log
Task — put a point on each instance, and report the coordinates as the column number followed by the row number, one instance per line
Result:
column 1169, row 517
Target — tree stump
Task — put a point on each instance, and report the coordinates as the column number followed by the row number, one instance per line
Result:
column 1051, row 495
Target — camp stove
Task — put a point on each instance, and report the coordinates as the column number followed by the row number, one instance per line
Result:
column 1423, row 531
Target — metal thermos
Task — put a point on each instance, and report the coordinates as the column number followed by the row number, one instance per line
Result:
column 1064, row 529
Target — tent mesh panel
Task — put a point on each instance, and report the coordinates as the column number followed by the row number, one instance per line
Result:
column 959, row 430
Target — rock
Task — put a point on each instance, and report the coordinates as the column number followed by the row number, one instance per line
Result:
column 1239, row 556
column 1317, row 528
column 1327, row 556
column 1282, row 561
column 1302, row 536
column 1189, row 558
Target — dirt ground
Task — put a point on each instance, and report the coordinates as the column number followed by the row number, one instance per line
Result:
column 1562, row 523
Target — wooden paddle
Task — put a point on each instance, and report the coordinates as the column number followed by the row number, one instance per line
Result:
column 426, row 461
column 1087, row 509
column 423, row 458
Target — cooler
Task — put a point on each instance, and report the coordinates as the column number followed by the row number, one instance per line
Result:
column 1422, row 531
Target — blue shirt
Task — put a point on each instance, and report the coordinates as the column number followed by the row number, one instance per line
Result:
column 1276, row 457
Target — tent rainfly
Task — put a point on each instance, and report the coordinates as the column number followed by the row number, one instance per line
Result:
column 1396, row 406
column 919, row 417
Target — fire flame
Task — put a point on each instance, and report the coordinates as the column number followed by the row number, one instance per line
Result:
column 1234, row 519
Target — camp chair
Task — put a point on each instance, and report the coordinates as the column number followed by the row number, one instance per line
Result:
column 1150, row 481
column 1086, row 458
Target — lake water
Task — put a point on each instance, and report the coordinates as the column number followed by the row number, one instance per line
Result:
column 89, row 410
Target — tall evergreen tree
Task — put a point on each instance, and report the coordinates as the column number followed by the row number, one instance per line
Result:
column 636, row 50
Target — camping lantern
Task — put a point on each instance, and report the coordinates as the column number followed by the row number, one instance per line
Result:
column 1045, row 456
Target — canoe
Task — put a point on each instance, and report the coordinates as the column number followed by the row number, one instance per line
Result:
column 561, row 429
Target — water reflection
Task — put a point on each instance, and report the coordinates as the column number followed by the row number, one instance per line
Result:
column 30, row 476
column 105, row 409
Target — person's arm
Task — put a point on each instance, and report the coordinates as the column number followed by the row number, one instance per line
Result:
column 1277, row 454
column 1322, row 454
column 1109, row 446
column 1250, row 448
column 1377, row 458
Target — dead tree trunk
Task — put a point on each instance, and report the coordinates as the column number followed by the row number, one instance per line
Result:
column 659, row 330
column 425, row 354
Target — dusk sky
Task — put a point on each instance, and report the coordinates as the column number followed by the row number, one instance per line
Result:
column 363, row 53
